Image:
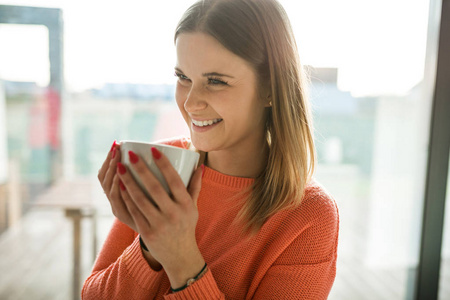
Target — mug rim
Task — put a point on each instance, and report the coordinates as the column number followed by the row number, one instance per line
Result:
column 156, row 144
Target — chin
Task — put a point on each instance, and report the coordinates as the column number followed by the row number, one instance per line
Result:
column 201, row 144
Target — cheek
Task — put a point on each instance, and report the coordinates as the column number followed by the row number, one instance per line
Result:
column 251, row 115
column 180, row 97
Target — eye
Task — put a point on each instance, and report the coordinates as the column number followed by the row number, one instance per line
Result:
column 181, row 77
column 216, row 81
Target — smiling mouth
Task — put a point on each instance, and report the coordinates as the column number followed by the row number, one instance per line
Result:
column 206, row 123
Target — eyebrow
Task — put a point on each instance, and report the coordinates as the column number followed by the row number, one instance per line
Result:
column 209, row 74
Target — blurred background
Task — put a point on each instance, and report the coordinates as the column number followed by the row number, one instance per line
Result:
column 76, row 75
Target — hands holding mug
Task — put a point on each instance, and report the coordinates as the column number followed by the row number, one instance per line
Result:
column 166, row 223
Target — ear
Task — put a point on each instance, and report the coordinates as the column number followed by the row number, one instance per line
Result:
column 266, row 95
column 268, row 101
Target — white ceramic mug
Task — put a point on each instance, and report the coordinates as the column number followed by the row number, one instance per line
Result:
column 184, row 161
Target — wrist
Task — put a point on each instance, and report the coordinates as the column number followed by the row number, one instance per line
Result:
column 142, row 244
column 153, row 263
column 179, row 275
column 191, row 281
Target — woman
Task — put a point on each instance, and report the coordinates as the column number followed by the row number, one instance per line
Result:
column 252, row 224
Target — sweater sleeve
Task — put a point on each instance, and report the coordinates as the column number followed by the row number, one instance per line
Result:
column 297, row 281
column 306, row 269
column 121, row 271
column 205, row 288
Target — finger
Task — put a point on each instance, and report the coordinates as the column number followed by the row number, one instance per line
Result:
column 141, row 222
column 195, row 184
column 105, row 165
column 173, row 179
column 136, row 193
column 107, row 180
column 151, row 183
column 118, row 206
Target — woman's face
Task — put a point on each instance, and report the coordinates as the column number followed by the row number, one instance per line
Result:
column 217, row 95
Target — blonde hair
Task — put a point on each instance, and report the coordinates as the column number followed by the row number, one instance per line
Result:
column 259, row 31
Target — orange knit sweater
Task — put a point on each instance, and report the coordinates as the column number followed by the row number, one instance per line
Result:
column 293, row 256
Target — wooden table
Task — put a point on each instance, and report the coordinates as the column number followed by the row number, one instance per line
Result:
column 75, row 198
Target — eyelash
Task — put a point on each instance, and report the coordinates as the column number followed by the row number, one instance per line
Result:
column 180, row 76
column 218, row 81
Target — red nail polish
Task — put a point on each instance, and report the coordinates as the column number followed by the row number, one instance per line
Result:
column 121, row 168
column 122, row 187
column 133, row 157
column 156, row 154
column 113, row 146
column 114, row 153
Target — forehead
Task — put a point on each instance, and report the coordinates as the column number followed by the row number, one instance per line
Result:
column 197, row 51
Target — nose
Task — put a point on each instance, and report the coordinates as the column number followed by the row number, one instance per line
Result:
column 195, row 100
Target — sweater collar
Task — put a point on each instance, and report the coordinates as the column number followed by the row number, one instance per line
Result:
column 226, row 180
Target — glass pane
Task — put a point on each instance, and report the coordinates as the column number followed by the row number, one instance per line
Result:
column 444, row 287
column 371, row 105
column 25, row 115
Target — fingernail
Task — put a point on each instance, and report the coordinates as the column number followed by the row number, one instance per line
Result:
column 114, row 153
column 156, row 154
column 121, row 168
column 122, row 187
column 113, row 146
column 133, row 157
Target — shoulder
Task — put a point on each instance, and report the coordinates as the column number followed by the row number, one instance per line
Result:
column 316, row 219
column 178, row 141
column 317, row 212
column 317, row 201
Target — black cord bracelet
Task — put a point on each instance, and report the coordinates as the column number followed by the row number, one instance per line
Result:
column 192, row 280
column 142, row 244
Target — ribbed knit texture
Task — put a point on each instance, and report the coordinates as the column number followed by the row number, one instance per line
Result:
column 293, row 256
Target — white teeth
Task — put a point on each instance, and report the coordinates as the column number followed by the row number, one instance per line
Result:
column 205, row 123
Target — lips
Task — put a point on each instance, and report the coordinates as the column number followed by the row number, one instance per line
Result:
column 206, row 122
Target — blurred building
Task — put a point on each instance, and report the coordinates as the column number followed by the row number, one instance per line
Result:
column 344, row 124
column 144, row 92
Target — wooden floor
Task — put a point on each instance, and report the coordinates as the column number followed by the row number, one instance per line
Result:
column 36, row 260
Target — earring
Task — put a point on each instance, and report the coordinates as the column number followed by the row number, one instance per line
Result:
column 270, row 103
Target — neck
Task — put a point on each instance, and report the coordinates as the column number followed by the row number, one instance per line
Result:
column 243, row 162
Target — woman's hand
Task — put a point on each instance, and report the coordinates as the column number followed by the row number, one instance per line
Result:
column 110, row 183
column 167, row 229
